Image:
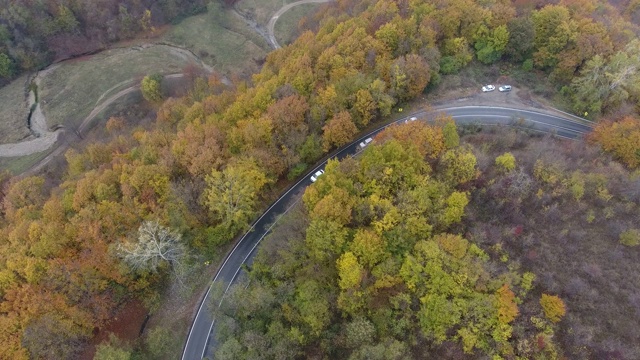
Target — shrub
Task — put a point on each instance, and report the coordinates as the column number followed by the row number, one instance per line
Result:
column 630, row 237
column 506, row 162
column 553, row 307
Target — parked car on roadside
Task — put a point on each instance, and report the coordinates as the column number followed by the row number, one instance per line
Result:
column 504, row 88
column 488, row 88
column 411, row 119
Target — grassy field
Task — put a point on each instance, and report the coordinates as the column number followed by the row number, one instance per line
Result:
column 286, row 29
column 261, row 11
column 220, row 38
column 17, row 165
column 14, row 111
column 70, row 92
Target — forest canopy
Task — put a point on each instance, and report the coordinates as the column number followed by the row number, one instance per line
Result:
column 373, row 267
column 63, row 267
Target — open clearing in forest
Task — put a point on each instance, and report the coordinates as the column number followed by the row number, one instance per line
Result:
column 286, row 29
column 221, row 38
column 71, row 91
column 261, row 11
column 14, row 111
column 17, row 165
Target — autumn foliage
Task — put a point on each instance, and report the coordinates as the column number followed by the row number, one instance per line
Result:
column 553, row 307
column 621, row 138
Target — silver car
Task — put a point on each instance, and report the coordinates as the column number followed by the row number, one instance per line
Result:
column 315, row 176
column 365, row 142
column 488, row 88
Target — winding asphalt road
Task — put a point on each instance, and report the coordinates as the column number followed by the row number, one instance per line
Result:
column 201, row 342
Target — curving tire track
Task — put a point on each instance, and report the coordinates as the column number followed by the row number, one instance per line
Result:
column 272, row 22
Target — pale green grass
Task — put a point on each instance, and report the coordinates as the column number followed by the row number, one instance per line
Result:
column 261, row 11
column 220, row 38
column 286, row 29
column 70, row 92
column 17, row 165
column 14, row 111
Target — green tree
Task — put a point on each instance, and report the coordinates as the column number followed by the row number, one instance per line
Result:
column 553, row 307
column 605, row 84
column 6, row 66
column 161, row 342
column 65, row 19
column 521, row 35
column 359, row 332
column 630, row 237
column 506, row 162
column 112, row 349
column 490, row 44
column 231, row 194
column 554, row 30
column 151, row 88
column 456, row 55
column 450, row 134
column 459, row 166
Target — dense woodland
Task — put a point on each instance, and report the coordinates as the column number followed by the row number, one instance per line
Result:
column 373, row 267
column 508, row 246
column 72, row 251
column 35, row 33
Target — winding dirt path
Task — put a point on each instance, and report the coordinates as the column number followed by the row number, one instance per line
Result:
column 272, row 22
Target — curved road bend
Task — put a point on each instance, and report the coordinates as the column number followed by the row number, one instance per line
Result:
column 201, row 337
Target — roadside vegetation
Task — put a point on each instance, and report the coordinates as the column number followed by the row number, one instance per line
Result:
column 64, row 242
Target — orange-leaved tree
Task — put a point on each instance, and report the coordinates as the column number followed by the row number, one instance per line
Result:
column 621, row 138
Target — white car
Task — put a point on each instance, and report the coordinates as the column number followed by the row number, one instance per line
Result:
column 488, row 88
column 365, row 142
column 315, row 176
column 411, row 119
column 504, row 88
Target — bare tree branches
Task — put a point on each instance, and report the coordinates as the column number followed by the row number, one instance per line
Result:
column 156, row 245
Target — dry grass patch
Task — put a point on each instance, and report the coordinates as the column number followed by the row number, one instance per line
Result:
column 286, row 29
column 70, row 92
column 14, row 111
column 220, row 38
